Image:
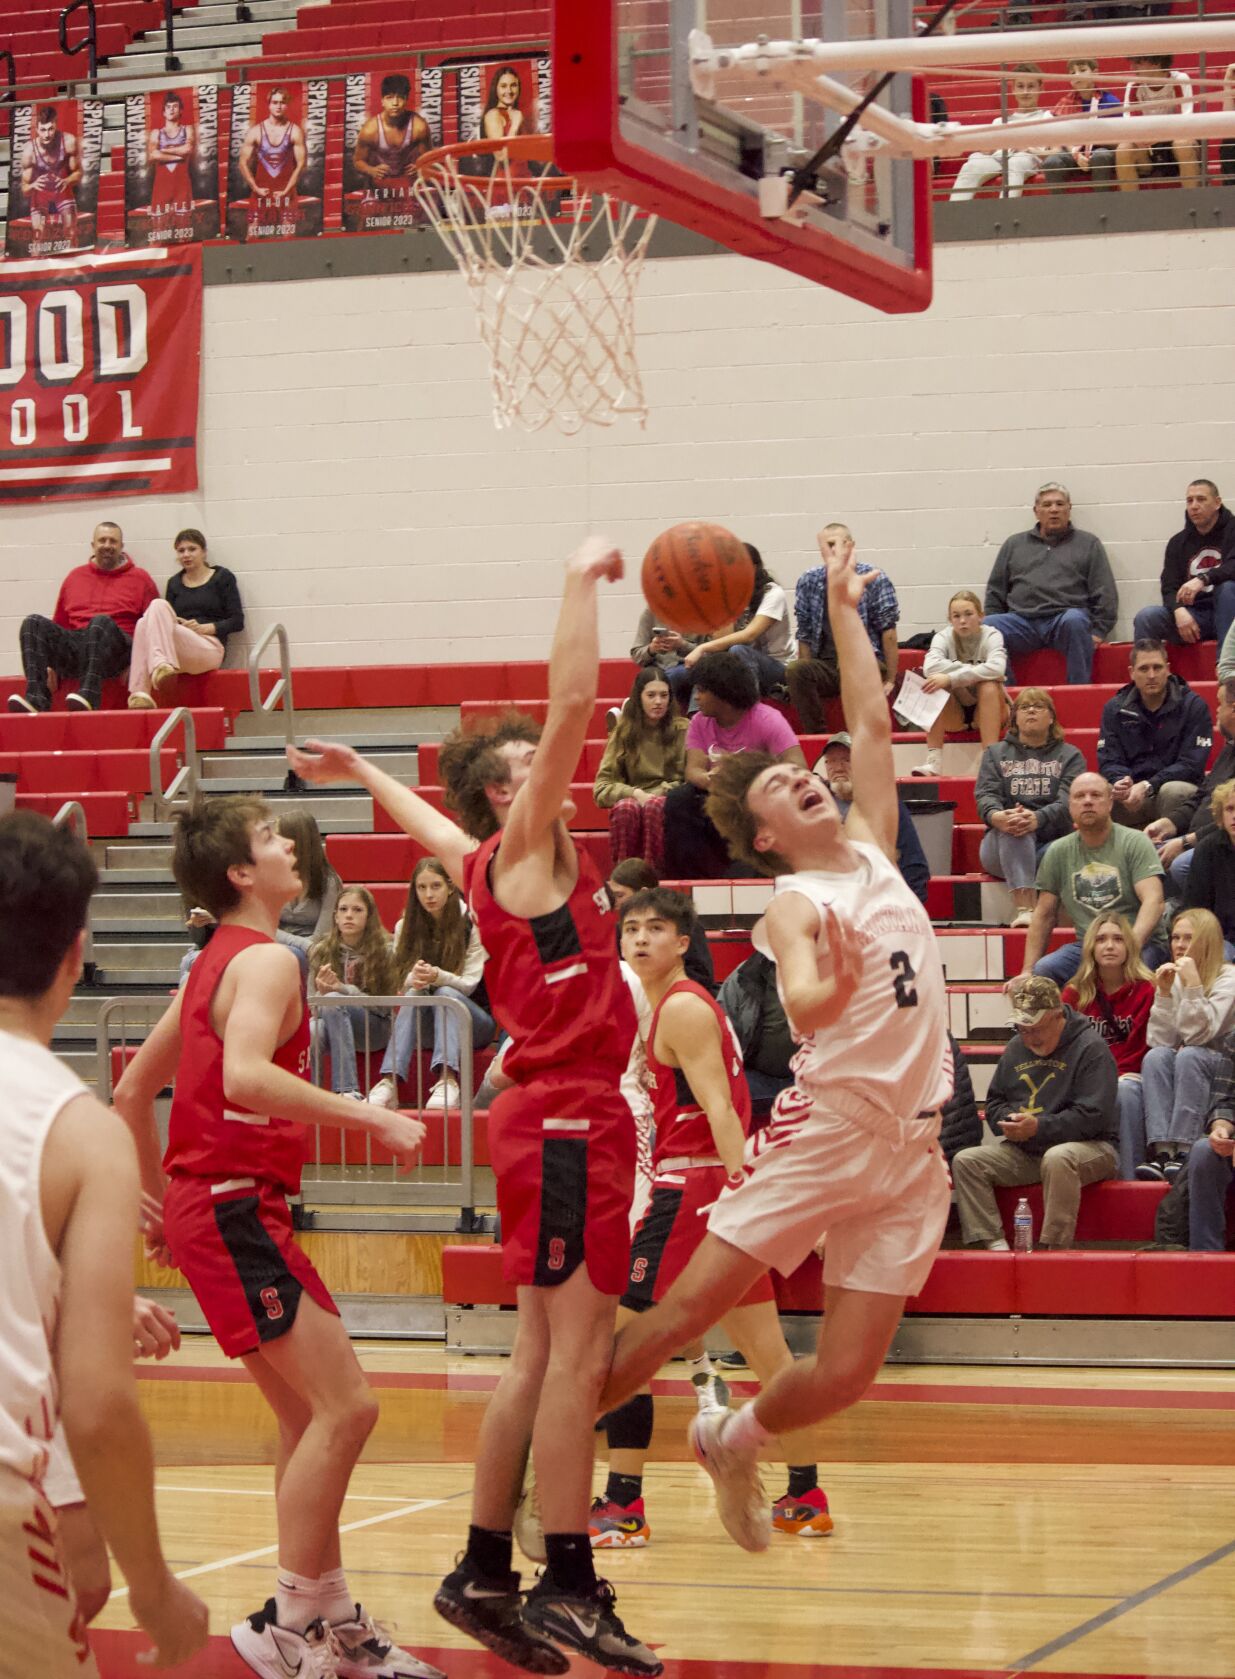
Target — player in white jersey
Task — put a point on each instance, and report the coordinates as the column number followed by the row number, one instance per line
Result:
column 851, row 1153
column 68, row 1215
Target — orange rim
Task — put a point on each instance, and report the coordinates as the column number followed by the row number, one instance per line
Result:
column 520, row 148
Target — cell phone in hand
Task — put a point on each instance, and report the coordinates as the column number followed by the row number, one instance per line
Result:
column 659, row 629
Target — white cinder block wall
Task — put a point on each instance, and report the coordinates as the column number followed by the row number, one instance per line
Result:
column 354, row 481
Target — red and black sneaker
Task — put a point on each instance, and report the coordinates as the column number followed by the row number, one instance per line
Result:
column 613, row 1526
column 808, row 1514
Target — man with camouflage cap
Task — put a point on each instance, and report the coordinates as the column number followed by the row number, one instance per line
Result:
column 1052, row 1109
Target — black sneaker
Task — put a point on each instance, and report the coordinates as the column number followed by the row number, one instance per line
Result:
column 22, row 702
column 589, row 1626
column 1151, row 1171
column 81, row 701
column 491, row 1612
column 1172, row 1168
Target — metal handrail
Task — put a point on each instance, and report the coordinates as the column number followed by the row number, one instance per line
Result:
column 282, row 690
column 184, row 782
column 89, row 42
column 72, row 815
column 9, row 96
column 170, row 61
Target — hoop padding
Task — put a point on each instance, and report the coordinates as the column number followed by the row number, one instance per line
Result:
column 552, row 270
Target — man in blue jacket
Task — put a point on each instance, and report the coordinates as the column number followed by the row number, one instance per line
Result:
column 1155, row 742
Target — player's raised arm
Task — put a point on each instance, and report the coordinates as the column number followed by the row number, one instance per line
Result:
column 865, row 704
column 574, row 662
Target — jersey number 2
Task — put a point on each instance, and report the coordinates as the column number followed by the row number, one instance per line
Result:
column 902, row 969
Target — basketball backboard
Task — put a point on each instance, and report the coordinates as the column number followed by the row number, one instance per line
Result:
column 627, row 120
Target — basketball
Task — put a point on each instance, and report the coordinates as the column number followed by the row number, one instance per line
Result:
column 697, row 577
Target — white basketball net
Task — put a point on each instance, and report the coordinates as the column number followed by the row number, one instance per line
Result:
column 559, row 327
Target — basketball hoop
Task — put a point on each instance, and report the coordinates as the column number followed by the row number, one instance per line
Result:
column 552, row 269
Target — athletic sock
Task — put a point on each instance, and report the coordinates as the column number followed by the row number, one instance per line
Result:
column 570, row 1567
column 803, row 1478
column 295, row 1600
column 744, row 1432
column 490, row 1551
column 700, row 1368
column 623, row 1489
column 335, row 1602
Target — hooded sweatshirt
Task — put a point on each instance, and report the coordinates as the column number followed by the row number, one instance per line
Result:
column 1170, row 744
column 1037, row 777
column 1072, row 1091
column 1189, row 554
column 121, row 594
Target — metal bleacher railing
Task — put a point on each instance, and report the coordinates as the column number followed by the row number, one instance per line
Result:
column 87, row 43
column 280, row 695
column 184, row 783
column 72, row 815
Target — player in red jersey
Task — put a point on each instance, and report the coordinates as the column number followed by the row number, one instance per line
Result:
column 562, row 1139
column 236, row 1039
column 702, row 1122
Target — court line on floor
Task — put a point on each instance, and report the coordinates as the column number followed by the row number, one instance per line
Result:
column 269, row 1492
column 1096, row 1622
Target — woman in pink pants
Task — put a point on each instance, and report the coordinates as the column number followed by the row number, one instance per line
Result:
column 188, row 630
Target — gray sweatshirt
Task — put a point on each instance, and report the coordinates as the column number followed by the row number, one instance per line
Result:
column 1038, row 578
column 1072, row 1091
column 1038, row 777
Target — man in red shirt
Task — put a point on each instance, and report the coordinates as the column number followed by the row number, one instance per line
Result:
column 90, row 634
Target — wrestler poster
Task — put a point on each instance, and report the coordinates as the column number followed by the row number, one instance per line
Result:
column 276, row 160
column 54, row 177
column 391, row 117
column 171, row 166
column 503, row 97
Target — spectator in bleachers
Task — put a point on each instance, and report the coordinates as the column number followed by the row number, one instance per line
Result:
column 814, row 675
column 763, row 635
column 731, row 718
column 1154, row 742
column 1211, row 1168
column 1052, row 586
column 1114, row 989
column 1210, row 882
column 750, row 998
column 311, row 916
column 835, row 764
column 437, row 953
column 961, row 1125
column 1082, row 165
column 1198, row 574
column 1188, row 1024
column 981, row 167
column 1052, row 1109
column 1099, row 869
column 353, row 960
column 1022, row 795
column 645, row 757
column 969, row 661
column 188, row 631
column 656, row 644
column 90, row 634
column 636, row 875
column 1175, row 846
column 1157, row 90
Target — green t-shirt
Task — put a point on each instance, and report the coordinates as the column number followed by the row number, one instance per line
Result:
column 1091, row 880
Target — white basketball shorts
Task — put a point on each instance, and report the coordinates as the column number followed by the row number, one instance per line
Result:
column 42, row 1633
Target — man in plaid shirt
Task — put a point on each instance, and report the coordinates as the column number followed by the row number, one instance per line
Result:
column 813, row 676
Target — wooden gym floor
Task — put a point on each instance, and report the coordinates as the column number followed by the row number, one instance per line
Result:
column 988, row 1522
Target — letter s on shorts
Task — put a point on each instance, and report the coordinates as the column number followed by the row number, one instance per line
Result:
column 557, row 1253
column 269, row 1298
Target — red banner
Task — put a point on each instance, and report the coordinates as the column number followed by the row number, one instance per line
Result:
column 99, row 364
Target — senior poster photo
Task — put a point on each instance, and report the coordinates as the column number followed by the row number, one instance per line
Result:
column 54, row 157
column 276, row 160
column 391, row 116
column 171, row 166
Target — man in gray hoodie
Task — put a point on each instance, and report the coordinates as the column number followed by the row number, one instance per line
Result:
column 1052, row 586
column 1052, row 1108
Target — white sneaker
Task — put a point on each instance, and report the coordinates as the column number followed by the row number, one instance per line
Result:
column 711, row 1391
column 365, row 1650
column 278, row 1653
column 741, row 1502
column 999, row 1245
column 445, row 1094
column 529, row 1527
column 385, row 1094
column 1022, row 918
column 932, row 766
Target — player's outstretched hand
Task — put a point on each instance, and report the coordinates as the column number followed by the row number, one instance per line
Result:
column 176, row 1619
column 595, row 558
column 403, row 1136
column 155, row 1330
column 324, row 761
column 845, row 950
column 846, row 585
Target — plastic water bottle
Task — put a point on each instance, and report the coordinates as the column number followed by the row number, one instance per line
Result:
column 1022, row 1227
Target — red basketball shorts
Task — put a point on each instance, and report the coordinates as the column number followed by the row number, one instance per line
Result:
column 564, row 1153
column 237, row 1251
column 669, row 1232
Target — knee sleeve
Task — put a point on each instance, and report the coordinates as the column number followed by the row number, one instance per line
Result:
column 629, row 1428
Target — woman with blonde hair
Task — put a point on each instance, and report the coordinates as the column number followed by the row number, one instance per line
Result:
column 1113, row 988
column 353, row 960
column 969, row 662
column 1187, row 1027
column 1022, row 796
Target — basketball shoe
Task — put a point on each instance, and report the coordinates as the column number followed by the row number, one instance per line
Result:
column 808, row 1514
column 613, row 1526
column 589, row 1626
column 491, row 1612
column 365, row 1650
column 740, row 1499
column 279, row 1653
column 711, row 1390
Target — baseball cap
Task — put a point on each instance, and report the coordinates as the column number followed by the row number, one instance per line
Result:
column 841, row 739
column 1031, row 999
